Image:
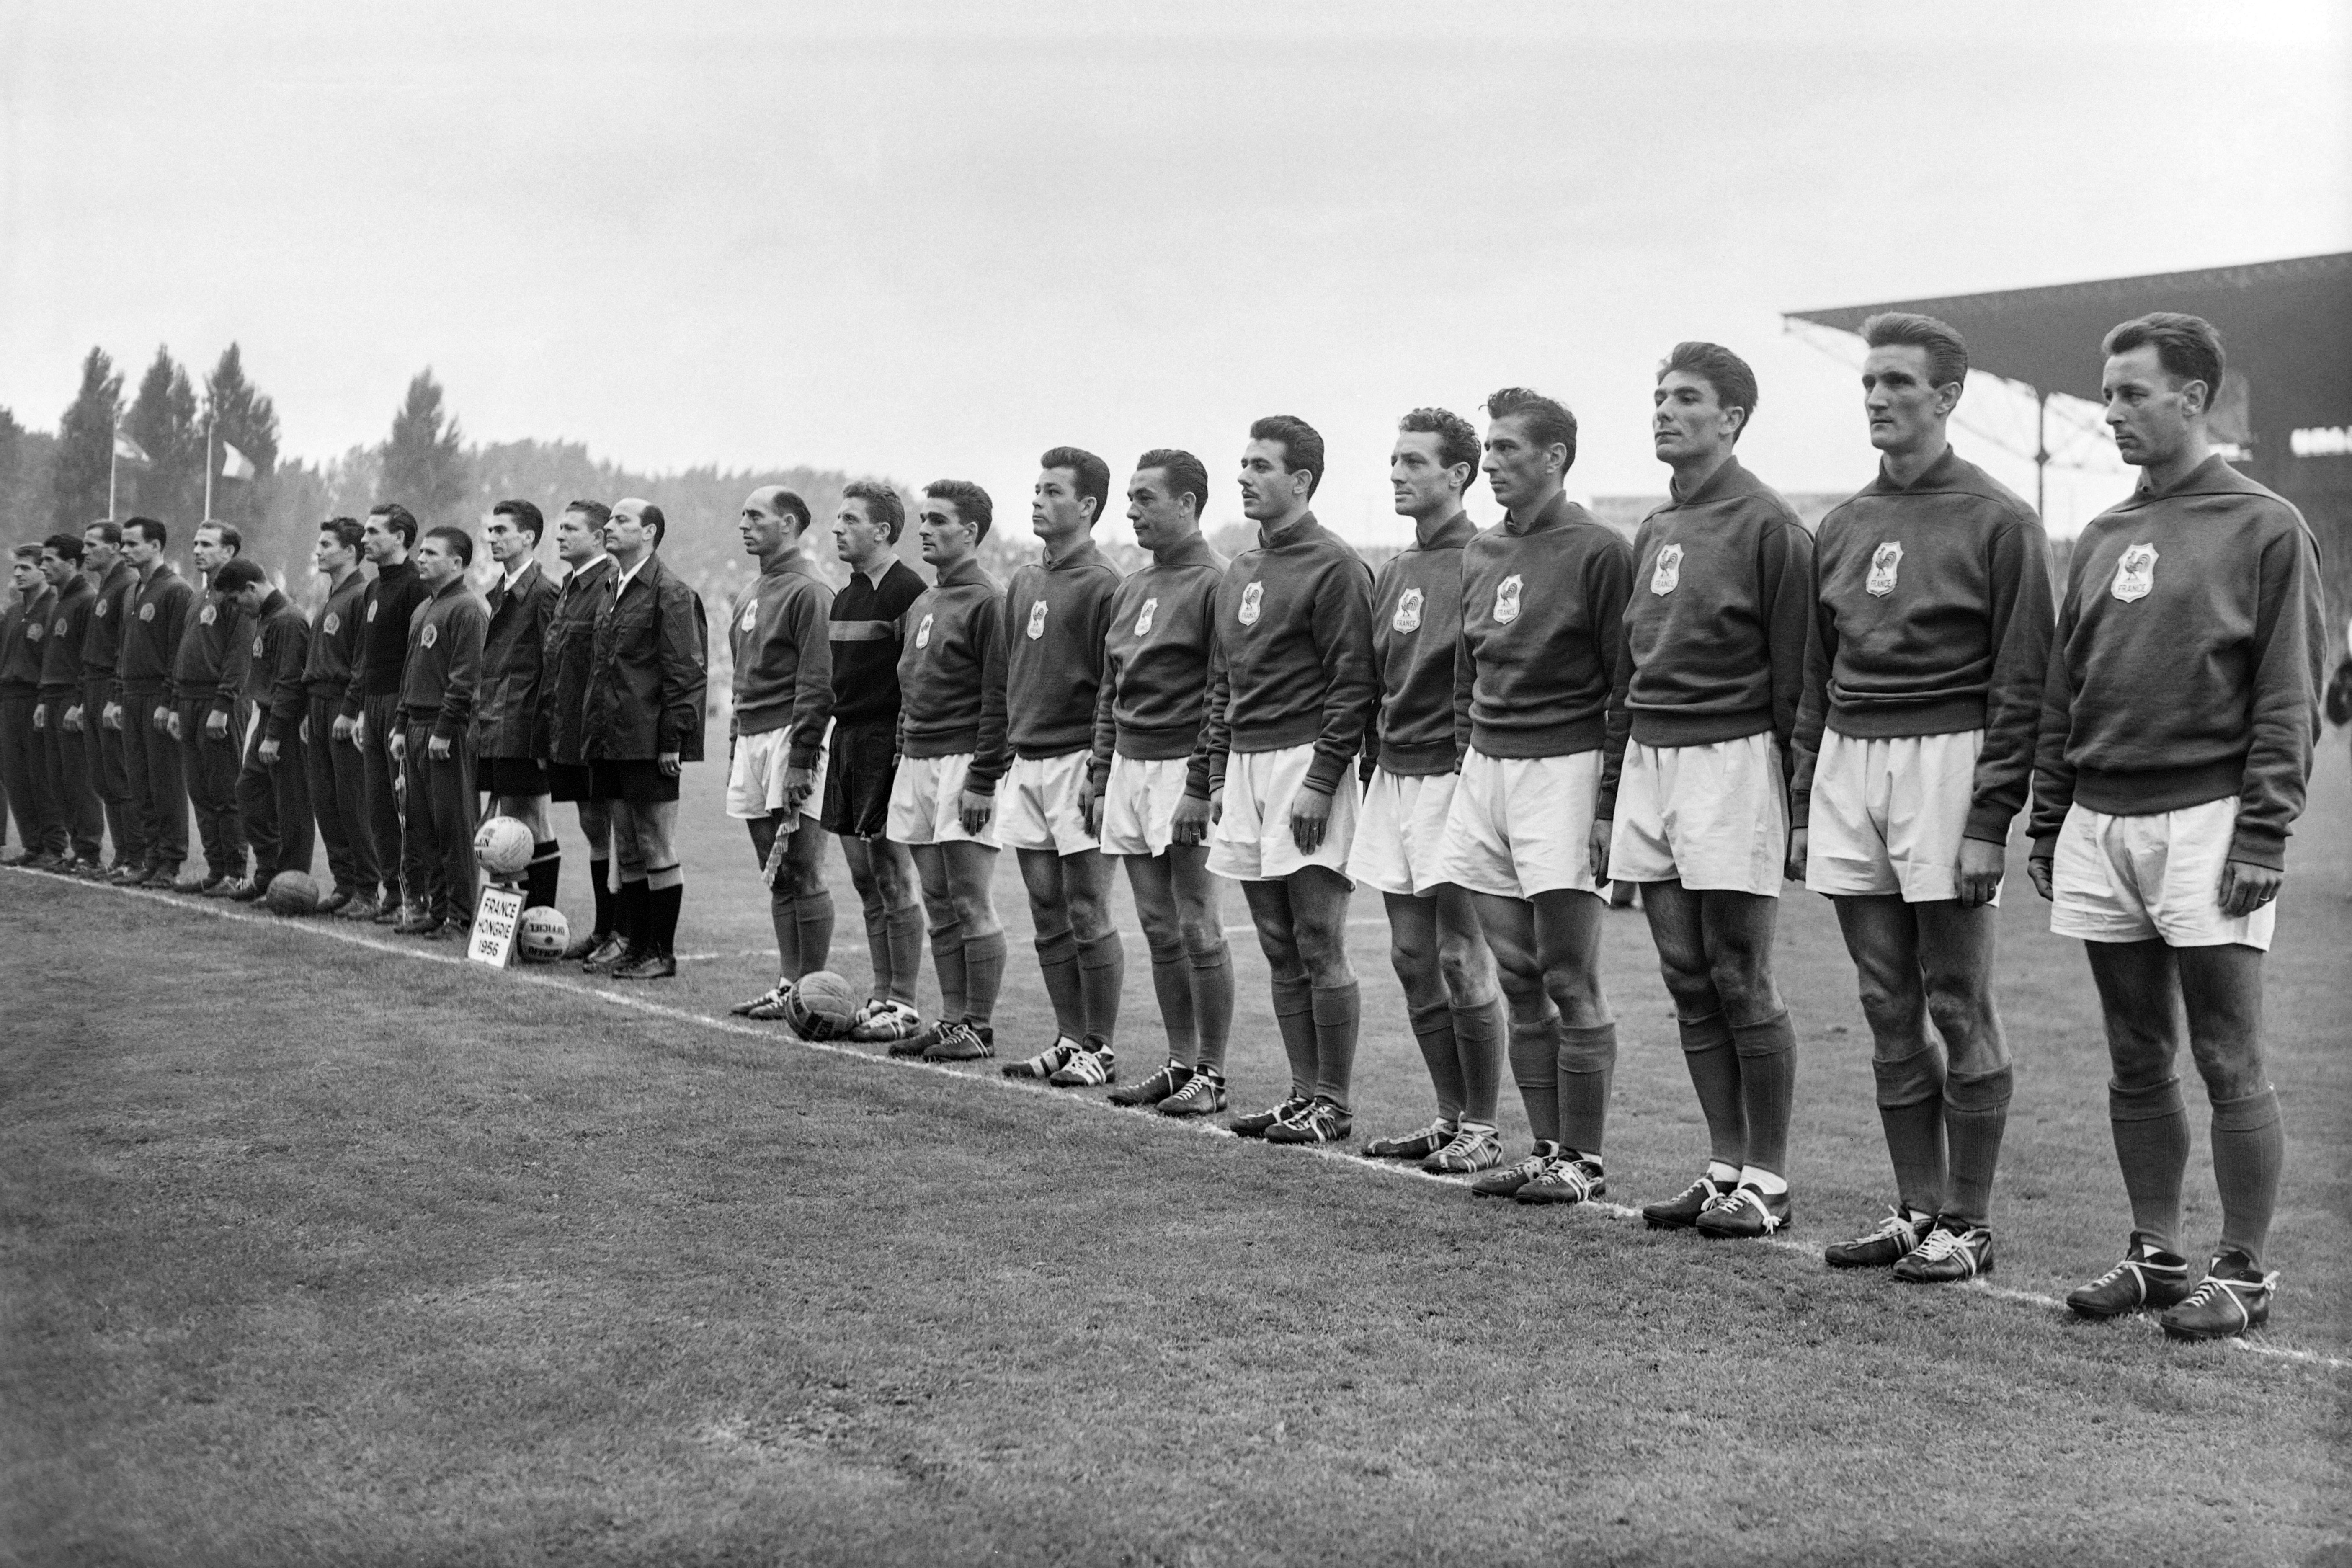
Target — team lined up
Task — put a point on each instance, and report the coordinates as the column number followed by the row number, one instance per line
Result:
column 1489, row 732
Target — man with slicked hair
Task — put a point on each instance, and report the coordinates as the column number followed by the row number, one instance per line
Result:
column 506, row 714
column 370, row 715
column 64, row 747
column 569, row 659
column 154, row 618
column 111, row 582
column 337, row 773
column 273, row 793
column 440, row 683
column 208, row 669
column 23, row 769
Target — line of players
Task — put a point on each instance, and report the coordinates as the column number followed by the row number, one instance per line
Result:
column 1530, row 711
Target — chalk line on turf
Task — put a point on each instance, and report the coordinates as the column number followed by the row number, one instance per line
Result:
column 1191, row 1126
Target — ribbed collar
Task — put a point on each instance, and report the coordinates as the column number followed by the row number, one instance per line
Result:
column 1726, row 483
column 1306, row 528
column 1943, row 474
column 1451, row 534
column 1193, row 550
column 1551, row 514
column 966, row 573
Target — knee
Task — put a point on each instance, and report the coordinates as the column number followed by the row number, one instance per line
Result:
column 1745, row 984
column 2231, row 1073
column 1690, row 984
column 1887, row 1003
column 1089, row 916
column 1201, row 934
column 798, row 881
column 1961, row 1009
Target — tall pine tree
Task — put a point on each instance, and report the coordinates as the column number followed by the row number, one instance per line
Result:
column 86, row 444
column 425, row 465
column 162, row 420
column 242, row 418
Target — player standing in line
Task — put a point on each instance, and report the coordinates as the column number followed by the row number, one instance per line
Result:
column 569, row 657
column 273, row 791
column 1543, row 599
column 1291, row 692
column 338, row 774
column 440, row 683
column 65, row 754
column 1054, row 617
column 951, row 752
column 39, row 823
column 154, row 620
column 2176, row 743
column 505, row 717
column 1715, row 632
column 207, row 670
column 371, row 716
column 1915, row 744
column 783, row 642
column 1410, row 764
column 642, row 723
column 868, row 632
column 1155, row 677
column 111, row 582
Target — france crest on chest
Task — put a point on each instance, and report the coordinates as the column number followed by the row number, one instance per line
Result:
column 1253, row 599
column 1408, row 611
column 2135, row 574
column 1884, row 560
column 1143, row 617
column 1667, row 574
column 1507, row 600
column 1036, row 620
column 923, row 633
column 750, row 620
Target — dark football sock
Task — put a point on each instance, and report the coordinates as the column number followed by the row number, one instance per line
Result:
column 666, row 903
column 1535, row 1067
column 877, row 952
column 984, row 975
column 1335, row 1009
column 1911, row 1113
column 1057, row 961
column 546, row 871
column 2151, row 1133
column 947, row 962
column 905, row 928
column 785, row 920
column 1588, row 1066
column 1975, row 1113
column 1172, row 985
column 1478, row 1034
column 1768, row 1089
column 630, row 921
column 1294, row 1017
column 1432, row 1030
column 1102, row 980
column 1213, row 1005
column 2248, row 1150
column 600, row 876
column 1715, row 1071
column 816, row 930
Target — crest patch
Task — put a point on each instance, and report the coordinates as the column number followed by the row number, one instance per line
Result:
column 256, row 646
column 59, row 628
column 1668, row 575
column 1036, row 620
column 372, row 607
column 334, row 622
column 34, row 632
column 1252, row 597
column 430, row 635
column 147, row 613
column 206, row 615
column 1884, row 560
column 1408, row 611
column 98, row 609
column 923, row 633
column 751, row 616
column 1143, row 617
column 2135, row 574
column 1506, row 599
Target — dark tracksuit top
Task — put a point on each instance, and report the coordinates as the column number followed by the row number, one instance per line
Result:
column 209, row 666
column 20, row 662
column 951, row 675
column 153, row 621
column 1720, row 614
column 514, row 654
column 277, row 654
column 1931, row 616
column 2187, row 663
column 1416, row 625
column 781, row 637
column 441, row 675
column 1543, row 657
column 335, row 640
column 1055, row 614
column 70, row 617
column 102, row 644
column 1292, row 660
column 1155, row 673
column 868, row 631
column 385, row 612
column 569, row 656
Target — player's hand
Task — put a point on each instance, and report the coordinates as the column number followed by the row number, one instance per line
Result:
column 1800, row 845
column 2246, row 888
column 302, row 731
column 1090, row 806
column 799, row 785
column 171, row 722
column 1980, row 870
column 2037, row 871
column 398, row 747
column 1596, row 847
column 1310, row 817
column 974, row 810
column 437, row 748
column 216, row 724
column 112, row 717
column 73, row 720
column 348, row 728
column 1190, row 825
column 667, row 762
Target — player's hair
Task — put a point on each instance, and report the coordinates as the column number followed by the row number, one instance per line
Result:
column 2187, row 347
column 226, row 530
column 972, row 503
column 459, row 542
column 1727, row 373
column 1548, row 423
column 28, row 552
column 151, row 530
column 1457, row 442
column 107, row 529
column 1093, row 474
column 66, row 545
column 595, row 512
column 1302, row 445
column 398, row 519
column 883, row 505
column 239, row 575
column 788, row 503
column 1948, row 353
column 651, row 516
column 1187, row 475
column 346, row 531
column 524, row 516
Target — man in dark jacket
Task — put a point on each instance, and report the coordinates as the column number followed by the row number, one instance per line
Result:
column 202, row 695
column 273, row 791
column 111, row 581
column 22, row 633
column 568, row 651
column 154, row 618
column 338, row 778
column 439, row 676
column 64, row 753
column 505, row 717
column 643, row 720
column 370, row 715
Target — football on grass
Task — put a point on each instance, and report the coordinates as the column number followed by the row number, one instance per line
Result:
column 544, row 934
column 292, row 893
column 823, row 1006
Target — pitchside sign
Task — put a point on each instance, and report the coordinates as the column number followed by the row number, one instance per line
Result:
column 496, row 922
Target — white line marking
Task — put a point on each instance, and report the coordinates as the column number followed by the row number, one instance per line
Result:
column 640, row 1003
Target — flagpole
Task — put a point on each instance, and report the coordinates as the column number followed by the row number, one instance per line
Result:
column 113, row 459
column 208, row 469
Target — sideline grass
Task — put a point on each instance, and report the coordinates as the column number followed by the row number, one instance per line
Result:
column 319, row 1255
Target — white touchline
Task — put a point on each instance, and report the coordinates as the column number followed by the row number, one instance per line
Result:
column 1191, row 1126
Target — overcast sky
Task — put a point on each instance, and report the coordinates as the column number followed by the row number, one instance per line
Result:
column 934, row 238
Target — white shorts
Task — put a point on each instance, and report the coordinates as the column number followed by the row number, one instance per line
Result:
column 1139, row 805
column 927, row 803
column 1714, row 817
column 1523, row 825
column 755, row 776
column 1037, row 804
column 1251, row 841
column 1400, row 834
column 2127, row 879
column 1888, row 815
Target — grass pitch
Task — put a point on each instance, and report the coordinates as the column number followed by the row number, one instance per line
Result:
column 318, row 1253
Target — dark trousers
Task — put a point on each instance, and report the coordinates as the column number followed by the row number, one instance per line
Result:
column 109, row 774
column 394, row 862
column 338, row 781
column 158, row 792
column 66, row 759
column 440, row 815
column 273, row 799
column 210, row 767
column 24, row 770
